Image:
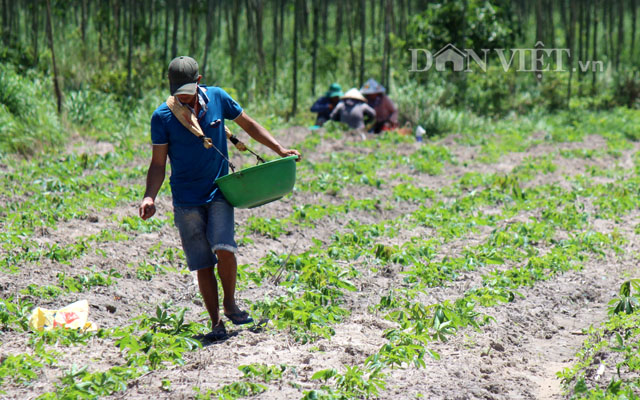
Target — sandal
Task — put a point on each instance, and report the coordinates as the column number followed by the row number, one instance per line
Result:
column 239, row 318
column 219, row 332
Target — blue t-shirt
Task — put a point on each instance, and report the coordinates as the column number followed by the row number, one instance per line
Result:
column 194, row 169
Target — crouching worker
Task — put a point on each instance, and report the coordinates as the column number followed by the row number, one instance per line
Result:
column 386, row 110
column 189, row 129
column 325, row 104
column 353, row 110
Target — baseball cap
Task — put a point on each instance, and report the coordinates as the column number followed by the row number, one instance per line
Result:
column 183, row 75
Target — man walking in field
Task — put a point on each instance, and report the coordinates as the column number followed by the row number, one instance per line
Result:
column 189, row 129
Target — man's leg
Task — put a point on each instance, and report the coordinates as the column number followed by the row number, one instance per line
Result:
column 227, row 270
column 209, row 290
column 192, row 226
column 220, row 233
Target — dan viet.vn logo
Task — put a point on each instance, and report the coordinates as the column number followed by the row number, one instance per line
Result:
column 537, row 59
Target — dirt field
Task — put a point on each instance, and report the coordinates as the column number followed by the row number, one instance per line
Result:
column 516, row 355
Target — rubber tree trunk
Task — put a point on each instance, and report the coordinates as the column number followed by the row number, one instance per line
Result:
column 15, row 24
column 232, row 15
column 304, row 19
column 193, row 24
column 620, row 32
column 275, row 44
column 634, row 15
column 83, row 22
column 387, row 47
column 581, row 28
column 249, row 20
column 338, row 29
column 130, row 49
column 314, row 48
column 258, row 9
column 185, row 21
column 282, row 7
column 563, row 20
column 588, row 22
column 372, row 8
column 5, row 22
column 116, row 22
column 296, row 24
column 604, row 21
column 219, row 24
column 100, row 26
column 594, row 54
column 551, row 36
column 56, row 78
column 363, row 26
column 165, row 52
column 570, row 36
column 350, row 35
column 176, row 20
column 35, row 17
column 612, row 46
column 402, row 31
column 539, row 22
column 325, row 13
column 152, row 38
column 209, row 37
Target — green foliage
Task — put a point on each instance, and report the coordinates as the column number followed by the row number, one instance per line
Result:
column 81, row 283
column 60, row 337
column 269, row 227
column 135, row 224
column 626, row 303
column 146, row 271
column 170, row 323
column 97, row 111
column 476, row 24
column 245, row 387
column 493, row 93
column 150, row 344
column 231, row 391
column 314, row 287
column 14, row 314
column 79, row 383
column 553, row 92
column 266, row 373
column 43, row 292
column 431, row 159
column 28, row 119
column 619, row 335
column 407, row 191
column 627, row 90
column 530, row 167
column 23, row 368
column 355, row 382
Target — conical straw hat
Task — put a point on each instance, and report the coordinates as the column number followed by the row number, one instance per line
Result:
column 372, row 87
column 355, row 94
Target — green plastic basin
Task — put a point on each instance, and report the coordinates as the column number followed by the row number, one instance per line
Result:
column 260, row 184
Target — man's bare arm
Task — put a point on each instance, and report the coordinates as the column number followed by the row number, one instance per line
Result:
column 155, row 178
column 260, row 134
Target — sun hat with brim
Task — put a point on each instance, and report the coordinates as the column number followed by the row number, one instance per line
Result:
column 183, row 76
column 354, row 94
column 335, row 90
column 372, row 87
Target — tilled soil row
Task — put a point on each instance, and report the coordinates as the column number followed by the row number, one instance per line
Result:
column 505, row 360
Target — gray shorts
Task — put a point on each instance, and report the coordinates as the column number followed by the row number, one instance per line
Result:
column 203, row 230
